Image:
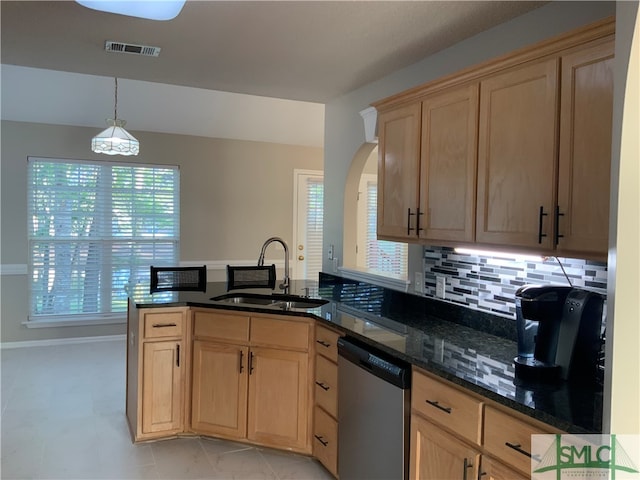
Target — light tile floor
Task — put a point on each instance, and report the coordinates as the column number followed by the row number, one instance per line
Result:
column 63, row 418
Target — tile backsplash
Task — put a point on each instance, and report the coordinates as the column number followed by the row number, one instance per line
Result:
column 489, row 283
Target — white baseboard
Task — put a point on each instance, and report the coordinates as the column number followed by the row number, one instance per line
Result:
column 63, row 341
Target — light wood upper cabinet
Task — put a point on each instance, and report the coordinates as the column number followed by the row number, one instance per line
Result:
column 219, row 391
column 523, row 163
column 427, row 167
column 517, row 156
column 586, row 111
column 398, row 171
column 448, row 164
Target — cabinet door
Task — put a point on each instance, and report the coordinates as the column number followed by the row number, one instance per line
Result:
column 219, row 395
column 586, row 111
column 278, row 408
column 494, row 470
column 398, row 172
column 517, row 156
column 438, row 455
column 448, row 165
column 162, row 387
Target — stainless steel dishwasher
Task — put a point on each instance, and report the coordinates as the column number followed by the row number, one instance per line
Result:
column 373, row 413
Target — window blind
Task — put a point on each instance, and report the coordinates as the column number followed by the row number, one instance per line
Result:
column 93, row 228
column 382, row 255
column 315, row 209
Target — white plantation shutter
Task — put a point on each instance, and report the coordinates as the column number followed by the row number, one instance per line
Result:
column 93, row 227
column 382, row 255
column 315, row 211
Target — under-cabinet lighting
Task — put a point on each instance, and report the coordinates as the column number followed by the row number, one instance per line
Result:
column 491, row 253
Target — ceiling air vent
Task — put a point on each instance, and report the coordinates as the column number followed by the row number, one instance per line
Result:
column 131, row 48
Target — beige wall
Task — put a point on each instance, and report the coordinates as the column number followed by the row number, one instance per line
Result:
column 234, row 195
column 622, row 386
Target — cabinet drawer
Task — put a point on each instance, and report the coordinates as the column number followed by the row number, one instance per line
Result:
column 325, row 440
column 447, row 406
column 327, row 342
column 502, row 430
column 326, row 385
column 280, row 333
column 163, row 324
column 225, row 326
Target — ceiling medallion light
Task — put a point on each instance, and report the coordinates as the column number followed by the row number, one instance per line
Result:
column 115, row 140
column 149, row 9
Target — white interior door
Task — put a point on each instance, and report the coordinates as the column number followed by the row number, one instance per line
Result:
column 307, row 229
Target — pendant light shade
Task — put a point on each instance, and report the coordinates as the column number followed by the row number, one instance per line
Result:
column 115, row 140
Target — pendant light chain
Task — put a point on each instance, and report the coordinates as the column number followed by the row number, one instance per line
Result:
column 115, row 105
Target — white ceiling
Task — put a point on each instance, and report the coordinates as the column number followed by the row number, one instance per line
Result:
column 306, row 51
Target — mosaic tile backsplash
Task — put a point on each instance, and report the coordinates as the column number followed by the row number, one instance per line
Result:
column 489, row 283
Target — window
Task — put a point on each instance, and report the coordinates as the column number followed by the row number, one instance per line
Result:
column 381, row 255
column 93, row 228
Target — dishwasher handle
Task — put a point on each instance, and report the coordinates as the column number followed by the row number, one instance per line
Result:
column 381, row 364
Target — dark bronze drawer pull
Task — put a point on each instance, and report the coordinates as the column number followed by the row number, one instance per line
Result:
column 518, row 448
column 323, row 386
column 323, row 343
column 321, row 440
column 163, row 325
column 437, row 405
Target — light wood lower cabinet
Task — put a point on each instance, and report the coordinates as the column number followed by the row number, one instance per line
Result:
column 437, row 455
column 219, row 392
column 491, row 469
column 278, row 398
column 458, row 434
column 252, row 379
column 157, row 366
column 162, row 387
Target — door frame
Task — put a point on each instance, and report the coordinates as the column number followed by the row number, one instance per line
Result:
column 298, row 175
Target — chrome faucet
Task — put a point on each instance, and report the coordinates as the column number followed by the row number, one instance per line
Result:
column 285, row 283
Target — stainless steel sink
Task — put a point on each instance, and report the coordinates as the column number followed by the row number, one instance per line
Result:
column 283, row 302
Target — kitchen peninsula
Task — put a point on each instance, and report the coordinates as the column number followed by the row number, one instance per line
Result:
column 435, row 337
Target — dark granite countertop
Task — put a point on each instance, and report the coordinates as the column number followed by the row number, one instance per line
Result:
column 472, row 349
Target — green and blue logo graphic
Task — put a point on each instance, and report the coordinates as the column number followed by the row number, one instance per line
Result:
column 585, row 456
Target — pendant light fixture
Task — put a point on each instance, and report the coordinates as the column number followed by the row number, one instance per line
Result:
column 115, row 140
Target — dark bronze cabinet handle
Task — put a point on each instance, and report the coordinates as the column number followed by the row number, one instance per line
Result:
column 163, row 325
column 557, row 225
column 241, row 357
column 323, row 386
column 418, row 228
column 321, row 440
column 178, row 355
column 250, row 363
column 466, row 465
column 540, row 215
column 437, row 405
column 323, row 343
column 409, row 215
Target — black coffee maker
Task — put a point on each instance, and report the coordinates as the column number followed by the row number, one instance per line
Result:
column 559, row 333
